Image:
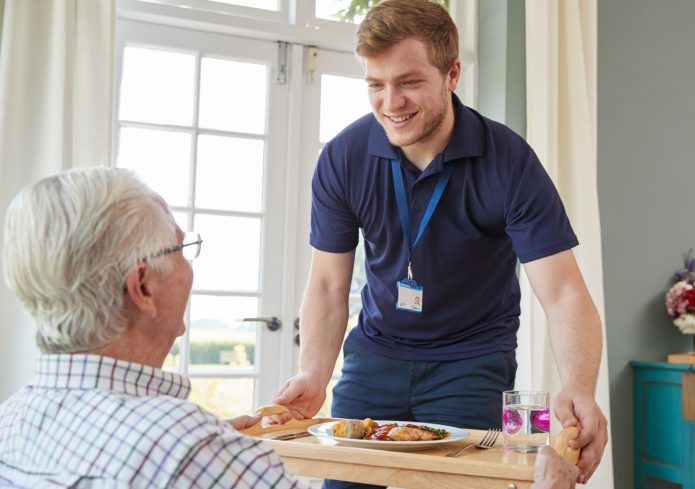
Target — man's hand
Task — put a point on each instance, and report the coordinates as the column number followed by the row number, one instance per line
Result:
column 552, row 471
column 303, row 395
column 576, row 408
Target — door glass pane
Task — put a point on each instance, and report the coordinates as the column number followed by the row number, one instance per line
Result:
column 325, row 411
column 160, row 158
column 172, row 361
column 338, row 10
column 224, row 397
column 233, row 95
column 354, row 308
column 262, row 4
column 231, row 254
column 218, row 339
column 343, row 99
column 181, row 219
column 359, row 276
column 157, row 86
column 229, row 173
column 350, row 10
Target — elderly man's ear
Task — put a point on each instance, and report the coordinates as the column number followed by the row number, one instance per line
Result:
column 140, row 285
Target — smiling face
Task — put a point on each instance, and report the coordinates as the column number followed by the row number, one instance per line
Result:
column 411, row 98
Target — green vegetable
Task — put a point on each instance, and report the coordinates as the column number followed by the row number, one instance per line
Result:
column 439, row 432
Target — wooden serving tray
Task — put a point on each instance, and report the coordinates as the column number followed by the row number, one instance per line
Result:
column 423, row 469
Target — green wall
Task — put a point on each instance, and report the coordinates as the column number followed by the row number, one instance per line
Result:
column 646, row 179
column 502, row 62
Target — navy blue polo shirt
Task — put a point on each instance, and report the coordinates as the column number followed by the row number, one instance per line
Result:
column 499, row 206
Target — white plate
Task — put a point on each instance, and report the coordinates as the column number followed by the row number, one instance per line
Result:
column 324, row 432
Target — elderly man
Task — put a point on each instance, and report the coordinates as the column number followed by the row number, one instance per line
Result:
column 98, row 261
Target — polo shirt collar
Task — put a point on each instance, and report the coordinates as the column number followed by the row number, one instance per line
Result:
column 467, row 140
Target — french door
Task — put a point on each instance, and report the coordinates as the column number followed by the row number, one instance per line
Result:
column 227, row 129
column 201, row 119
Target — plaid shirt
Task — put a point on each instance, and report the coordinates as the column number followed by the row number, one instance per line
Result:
column 97, row 422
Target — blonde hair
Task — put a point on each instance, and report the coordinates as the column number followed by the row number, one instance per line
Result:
column 392, row 21
column 69, row 242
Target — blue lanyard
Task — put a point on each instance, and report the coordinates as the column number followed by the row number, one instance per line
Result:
column 403, row 205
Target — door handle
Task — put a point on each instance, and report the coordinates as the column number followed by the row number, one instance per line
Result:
column 296, row 328
column 272, row 323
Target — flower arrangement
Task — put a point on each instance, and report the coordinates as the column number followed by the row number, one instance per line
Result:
column 680, row 298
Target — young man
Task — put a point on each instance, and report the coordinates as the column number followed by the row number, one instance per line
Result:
column 96, row 258
column 447, row 202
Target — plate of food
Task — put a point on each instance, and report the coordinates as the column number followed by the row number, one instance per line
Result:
column 386, row 435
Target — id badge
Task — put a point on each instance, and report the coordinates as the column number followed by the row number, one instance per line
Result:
column 409, row 296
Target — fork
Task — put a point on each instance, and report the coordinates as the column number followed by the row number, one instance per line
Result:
column 488, row 441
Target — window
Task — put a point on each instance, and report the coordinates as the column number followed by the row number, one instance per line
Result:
column 193, row 122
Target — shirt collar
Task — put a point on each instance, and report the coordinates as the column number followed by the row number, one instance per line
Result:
column 80, row 371
column 467, row 140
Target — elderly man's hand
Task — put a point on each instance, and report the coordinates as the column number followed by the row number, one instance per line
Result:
column 576, row 408
column 552, row 471
column 243, row 422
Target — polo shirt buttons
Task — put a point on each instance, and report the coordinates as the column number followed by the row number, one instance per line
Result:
column 417, row 207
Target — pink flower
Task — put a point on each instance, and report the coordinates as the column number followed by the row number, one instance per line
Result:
column 680, row 299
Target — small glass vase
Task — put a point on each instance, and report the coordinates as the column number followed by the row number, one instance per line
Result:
column 684, row 358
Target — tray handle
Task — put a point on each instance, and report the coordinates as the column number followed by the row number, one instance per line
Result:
column 569, row 454
column 275, row 409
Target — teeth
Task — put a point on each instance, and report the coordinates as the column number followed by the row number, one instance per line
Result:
column 401, row 118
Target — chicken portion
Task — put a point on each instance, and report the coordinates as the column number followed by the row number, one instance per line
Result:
column 404, row 433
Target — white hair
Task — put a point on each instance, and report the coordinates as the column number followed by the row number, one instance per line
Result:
column 69, row 242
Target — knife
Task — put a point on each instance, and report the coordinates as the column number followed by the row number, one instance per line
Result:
column 291, row 436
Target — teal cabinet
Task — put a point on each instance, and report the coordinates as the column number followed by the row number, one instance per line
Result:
column 664, row 409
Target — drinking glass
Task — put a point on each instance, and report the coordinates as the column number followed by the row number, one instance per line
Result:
column 525, row 420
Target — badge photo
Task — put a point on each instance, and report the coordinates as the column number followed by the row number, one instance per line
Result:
column 409, row 296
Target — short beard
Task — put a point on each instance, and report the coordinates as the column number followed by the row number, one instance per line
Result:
column 430, row 128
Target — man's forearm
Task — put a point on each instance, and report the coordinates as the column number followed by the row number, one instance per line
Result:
column 577, row 340
column 324, row 317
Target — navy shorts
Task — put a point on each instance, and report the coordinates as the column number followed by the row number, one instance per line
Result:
column 462, row 393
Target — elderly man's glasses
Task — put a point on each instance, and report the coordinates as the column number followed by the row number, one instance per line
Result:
column 190, row 247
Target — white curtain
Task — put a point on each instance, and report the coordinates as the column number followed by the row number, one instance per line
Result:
column 561, row 64
column 56, row 77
